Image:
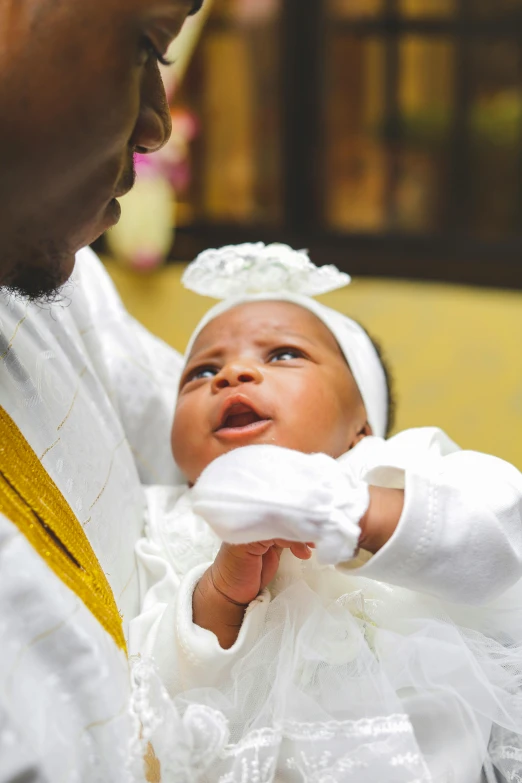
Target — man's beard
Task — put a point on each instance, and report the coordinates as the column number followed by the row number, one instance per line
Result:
column 36, row 275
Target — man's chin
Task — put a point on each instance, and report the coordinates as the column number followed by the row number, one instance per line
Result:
column 41, row 279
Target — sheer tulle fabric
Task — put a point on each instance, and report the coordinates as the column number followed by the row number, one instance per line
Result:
column 380, row 684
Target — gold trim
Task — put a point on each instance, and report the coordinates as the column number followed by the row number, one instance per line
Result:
column 32, row 501
column 11, row 341
column 49, row 448
column 102, row 490
column 71, row 406
column 152, row 766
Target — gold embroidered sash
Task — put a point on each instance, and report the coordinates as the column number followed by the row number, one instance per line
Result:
column 31, row 500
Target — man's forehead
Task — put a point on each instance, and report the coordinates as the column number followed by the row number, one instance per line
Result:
column 154, row 6
column 123, row 7
column 167, row 16
column 188, row 6
column 37, row 9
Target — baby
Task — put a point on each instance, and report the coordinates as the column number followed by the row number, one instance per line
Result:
column 268, row 372
column 392, row 651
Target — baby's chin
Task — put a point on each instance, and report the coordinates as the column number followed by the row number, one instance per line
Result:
column 273, row 439
column 195, row 472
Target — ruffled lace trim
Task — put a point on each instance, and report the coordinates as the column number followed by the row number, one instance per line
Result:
column 196, row 747
column 253, row 268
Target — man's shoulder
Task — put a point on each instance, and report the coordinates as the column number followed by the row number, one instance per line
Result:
column 92, row 284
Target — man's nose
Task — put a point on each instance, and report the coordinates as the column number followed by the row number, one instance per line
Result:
column 153, row 126
column 235, row 374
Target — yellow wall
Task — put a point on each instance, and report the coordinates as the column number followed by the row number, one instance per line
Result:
column 455, row 352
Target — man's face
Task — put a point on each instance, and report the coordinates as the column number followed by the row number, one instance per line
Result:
column 265, row 372
column 80, row 92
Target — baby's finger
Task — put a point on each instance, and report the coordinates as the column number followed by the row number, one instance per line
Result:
column 283, row 543
column 302, row 551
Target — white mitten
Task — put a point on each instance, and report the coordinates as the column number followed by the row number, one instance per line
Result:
column 257, row 493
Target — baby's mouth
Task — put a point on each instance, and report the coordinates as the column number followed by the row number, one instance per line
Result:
column 240, row 418
column 235, row 420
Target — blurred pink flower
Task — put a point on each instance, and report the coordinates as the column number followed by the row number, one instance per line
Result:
column 256, row 11
column 172, row 161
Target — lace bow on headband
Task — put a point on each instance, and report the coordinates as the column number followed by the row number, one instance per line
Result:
column 257, row 272
column 256, row 268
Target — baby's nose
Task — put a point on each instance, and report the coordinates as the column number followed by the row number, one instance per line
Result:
column 236, row 374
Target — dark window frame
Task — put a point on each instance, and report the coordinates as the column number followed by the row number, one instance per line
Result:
column 451, row 255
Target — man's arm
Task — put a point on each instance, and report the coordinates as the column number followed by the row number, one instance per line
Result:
column 17, row 762
column 139, row 371
column 60, row 708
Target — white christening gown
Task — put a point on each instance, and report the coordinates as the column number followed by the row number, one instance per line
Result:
column 402, row 667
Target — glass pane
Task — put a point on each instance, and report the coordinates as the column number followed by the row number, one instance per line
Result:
column 426, row 72
column 354, row 8
column 495, row 122
column 386, row 158
column 427, row 7
column 233, row 89
column 246, row 11
column 496, row 8
column 355, row 155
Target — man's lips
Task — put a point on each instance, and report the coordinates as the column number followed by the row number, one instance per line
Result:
column 111, row 215
column 126, row 181
column 122, row 191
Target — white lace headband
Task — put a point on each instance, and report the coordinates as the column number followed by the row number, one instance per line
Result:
column 258, row 272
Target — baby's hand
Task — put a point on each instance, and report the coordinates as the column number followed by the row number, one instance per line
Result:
column 236, row 577
column 257, row 493
column 240, row 572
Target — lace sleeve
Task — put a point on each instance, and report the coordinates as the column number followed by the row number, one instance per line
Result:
column 172, row 558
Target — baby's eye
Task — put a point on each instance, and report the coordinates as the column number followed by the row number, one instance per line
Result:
column 200, row 373
column 284, row 354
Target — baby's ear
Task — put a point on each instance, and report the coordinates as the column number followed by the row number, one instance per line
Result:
column 362, row 432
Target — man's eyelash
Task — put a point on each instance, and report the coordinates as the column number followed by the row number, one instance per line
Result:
column 151, row 49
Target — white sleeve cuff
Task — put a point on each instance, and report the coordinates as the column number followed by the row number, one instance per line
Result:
column 401, row 560
column 456, row 541
column 191, row 657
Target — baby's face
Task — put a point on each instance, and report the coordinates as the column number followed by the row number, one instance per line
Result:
column 265, row 372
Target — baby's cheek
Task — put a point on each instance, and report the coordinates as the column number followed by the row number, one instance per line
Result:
column 192, row 449
column 296, row 434
column 317, row 425
column 182, row 438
